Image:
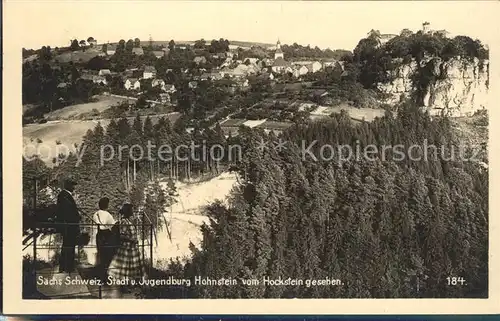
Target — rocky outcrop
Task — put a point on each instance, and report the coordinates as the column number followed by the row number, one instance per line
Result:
column 456, row 87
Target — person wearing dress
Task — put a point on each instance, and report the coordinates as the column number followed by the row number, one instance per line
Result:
column 104, row 237
column 127, row 263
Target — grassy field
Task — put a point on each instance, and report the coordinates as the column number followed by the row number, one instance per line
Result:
column 249, row 44
column 73, row 111
column 44, row 138
column 368, row 114
column 76, row 56
column 49, row 139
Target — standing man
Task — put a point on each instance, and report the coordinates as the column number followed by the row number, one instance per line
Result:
column 68, row 215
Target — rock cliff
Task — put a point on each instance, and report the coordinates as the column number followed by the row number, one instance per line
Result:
column 456, row 87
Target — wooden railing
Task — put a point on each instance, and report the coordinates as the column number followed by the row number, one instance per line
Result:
column 144, row 231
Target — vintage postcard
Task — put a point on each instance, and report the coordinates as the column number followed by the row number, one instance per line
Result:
column 222, row 157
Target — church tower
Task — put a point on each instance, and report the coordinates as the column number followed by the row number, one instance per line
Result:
column 425, row 27
column 278, row 53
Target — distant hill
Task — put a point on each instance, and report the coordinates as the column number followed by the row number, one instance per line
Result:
column 77, row 56
column 66, row 133
column 250, row 44
column 243, row 44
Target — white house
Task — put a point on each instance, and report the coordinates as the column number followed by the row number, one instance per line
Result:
column 158, row 82
column 99, row 80
column 219, row 55
column 159, row 54
column 165, row 98
column 329, row 62
column 200, row 60
column 314, row 66
column 170, row 88
column 226, row 63
column 138, row 51
column 238, row 72
column 280, row 65
column 214, row 75
column 104, row 72
column 149, row 72
column 132, row 84
column 289, row 69
column 110, row 50
column 303, row 70
column 251, row 60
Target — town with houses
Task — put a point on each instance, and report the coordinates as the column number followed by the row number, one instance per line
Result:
column 232, row 74
column 235, row 70
column 233, row 84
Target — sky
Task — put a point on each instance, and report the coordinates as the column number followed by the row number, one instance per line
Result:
column 332, row 24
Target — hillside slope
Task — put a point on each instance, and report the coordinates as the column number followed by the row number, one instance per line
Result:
column 54, row 137
column 185, row 216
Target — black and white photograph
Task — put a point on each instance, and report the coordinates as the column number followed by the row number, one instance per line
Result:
column 254, row 150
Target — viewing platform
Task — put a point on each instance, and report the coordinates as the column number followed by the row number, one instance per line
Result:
column 42, row 279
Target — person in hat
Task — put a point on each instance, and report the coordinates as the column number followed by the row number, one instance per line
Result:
column 127, row 263
column 69, row 216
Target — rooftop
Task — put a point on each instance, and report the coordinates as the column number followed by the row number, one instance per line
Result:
column 280, row 62
column 138, row 51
